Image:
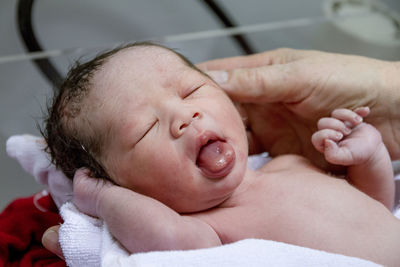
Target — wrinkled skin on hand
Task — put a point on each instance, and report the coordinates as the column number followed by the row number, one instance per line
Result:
column 87, row 192
column 284, row 92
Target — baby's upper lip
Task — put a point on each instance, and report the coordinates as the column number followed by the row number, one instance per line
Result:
column 203, row 138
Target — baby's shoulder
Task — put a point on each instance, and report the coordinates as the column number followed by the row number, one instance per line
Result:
column 285, row 162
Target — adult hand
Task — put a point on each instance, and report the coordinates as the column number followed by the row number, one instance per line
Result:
column 284, row 92
column 86, row 191
column 50, row 241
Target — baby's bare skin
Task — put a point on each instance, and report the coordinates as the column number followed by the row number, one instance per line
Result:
column 287, row 200
column 291, row 201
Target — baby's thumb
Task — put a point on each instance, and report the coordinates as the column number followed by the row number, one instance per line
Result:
column 266, row 84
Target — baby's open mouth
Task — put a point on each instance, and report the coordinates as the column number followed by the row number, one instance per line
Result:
column 216, row 158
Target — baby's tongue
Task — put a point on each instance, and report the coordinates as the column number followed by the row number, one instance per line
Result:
column 216, row 159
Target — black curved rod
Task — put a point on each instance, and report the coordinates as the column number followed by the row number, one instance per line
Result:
column 24, row 20
column 223, row 17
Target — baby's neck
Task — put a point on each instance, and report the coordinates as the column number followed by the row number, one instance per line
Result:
column 248, row 179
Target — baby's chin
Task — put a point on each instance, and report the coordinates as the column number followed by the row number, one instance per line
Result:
column 224, row 188
column 213, row 195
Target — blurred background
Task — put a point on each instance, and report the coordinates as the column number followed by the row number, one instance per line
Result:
column 69, row 30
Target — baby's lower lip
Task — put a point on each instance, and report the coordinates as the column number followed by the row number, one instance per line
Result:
column 220, row 174
column 216, row 159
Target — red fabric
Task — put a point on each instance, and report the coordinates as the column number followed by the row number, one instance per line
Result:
column 22, row 224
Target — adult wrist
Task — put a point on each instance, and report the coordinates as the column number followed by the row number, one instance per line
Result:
column 389, row 90
column 390, row 106
column 392, row 85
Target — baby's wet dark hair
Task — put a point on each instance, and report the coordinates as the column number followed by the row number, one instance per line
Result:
column 72, row 140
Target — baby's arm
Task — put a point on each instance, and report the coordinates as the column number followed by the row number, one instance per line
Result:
column 346, row 140
column 138, row 222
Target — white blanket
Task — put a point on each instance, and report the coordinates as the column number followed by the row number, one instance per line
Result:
column 86, row 241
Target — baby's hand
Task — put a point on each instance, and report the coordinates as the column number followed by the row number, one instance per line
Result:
column 87, row 191
column 345, row 139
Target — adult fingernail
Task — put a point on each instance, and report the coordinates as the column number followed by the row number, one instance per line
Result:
column 50, row 240
column 50, row 236
column 219, row 76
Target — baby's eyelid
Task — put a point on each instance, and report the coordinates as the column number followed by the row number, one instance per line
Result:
column 192, row 91
column 147, row 131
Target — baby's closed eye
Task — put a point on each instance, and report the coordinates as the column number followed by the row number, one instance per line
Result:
column 147, row 130
column 192, row 90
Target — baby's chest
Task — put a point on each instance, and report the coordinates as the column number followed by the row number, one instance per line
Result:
column 245, row 222
column 256, row 217
column 271, row 209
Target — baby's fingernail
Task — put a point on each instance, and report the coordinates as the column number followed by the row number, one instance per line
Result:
column 348, row 124
column 358, row 118
column 339, row 135
column 347, row 130
column 219, row 76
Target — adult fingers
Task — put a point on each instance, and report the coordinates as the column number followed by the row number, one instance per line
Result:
column 250, row 61
column 277, row 56
column 51, row 242
column 87, row 190
column 286, row 82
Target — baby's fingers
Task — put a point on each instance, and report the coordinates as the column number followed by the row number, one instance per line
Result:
column 337, row 155
column 362, row 111
column 349, row 117
column 334, row 124
column 319, row 137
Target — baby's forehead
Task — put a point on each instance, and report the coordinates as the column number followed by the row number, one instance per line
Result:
column 144, row 65
column 138, row 63
column 136, row 68
column 146, row 56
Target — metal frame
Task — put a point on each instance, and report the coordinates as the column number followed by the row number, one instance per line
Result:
column 27, row 33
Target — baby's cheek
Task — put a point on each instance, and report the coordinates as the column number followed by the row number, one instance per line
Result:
column 228, row 112
column 170, row 161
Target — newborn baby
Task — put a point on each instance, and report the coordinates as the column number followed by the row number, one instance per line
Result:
column 173, row 150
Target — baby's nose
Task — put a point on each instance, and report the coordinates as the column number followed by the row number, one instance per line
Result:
column 182, row 121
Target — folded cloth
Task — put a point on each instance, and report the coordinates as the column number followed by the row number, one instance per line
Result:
column 28, row 150
column 86, row 241
column 22, row 224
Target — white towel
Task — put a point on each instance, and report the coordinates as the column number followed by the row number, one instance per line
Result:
column 86, row 241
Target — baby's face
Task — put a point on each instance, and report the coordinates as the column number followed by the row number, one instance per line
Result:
column 174, row 136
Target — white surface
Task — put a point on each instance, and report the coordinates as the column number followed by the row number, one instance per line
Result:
column 373, row 22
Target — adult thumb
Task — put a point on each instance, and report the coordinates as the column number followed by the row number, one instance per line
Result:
column 267, row 84
column 51, row 242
